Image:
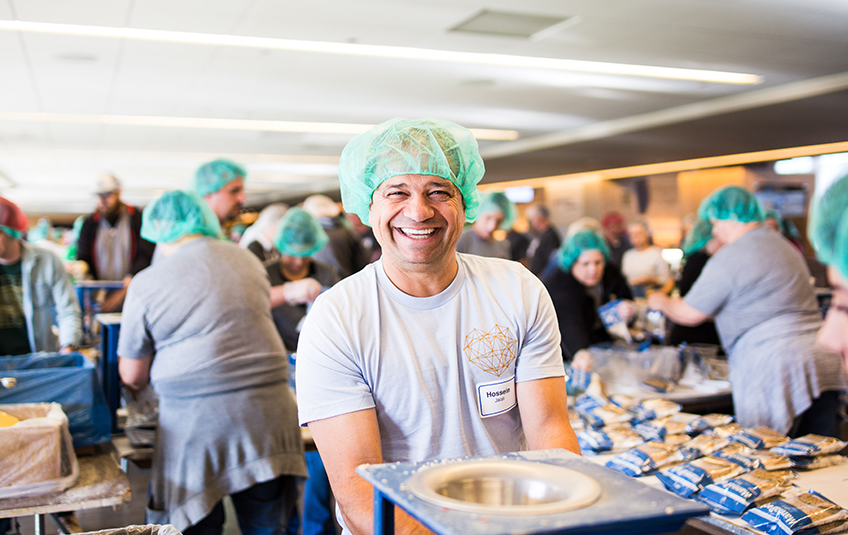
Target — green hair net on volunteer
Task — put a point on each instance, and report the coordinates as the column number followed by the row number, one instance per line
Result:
column 697, row 238
column 731, row 203
column 299, row 234
column 433, row 147
column 577, row 244
column 497, row 201
column 13, row 221
column 828, row 231
column 214, row 175
column 176, row 214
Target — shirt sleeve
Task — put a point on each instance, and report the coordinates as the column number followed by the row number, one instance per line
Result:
column 329, row 376
column 712, row 288
column 135, row 340
column 68, row 311
column 540, row 355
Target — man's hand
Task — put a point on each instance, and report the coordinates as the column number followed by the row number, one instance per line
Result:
column 302, row 291
column 659, row 301
column 677, row 309
column 115, row 299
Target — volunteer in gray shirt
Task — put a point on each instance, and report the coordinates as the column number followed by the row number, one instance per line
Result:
column 197, row 326
column 757, row 288
column 496, row 212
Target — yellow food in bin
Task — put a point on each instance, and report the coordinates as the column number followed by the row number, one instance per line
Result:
column 7, row 420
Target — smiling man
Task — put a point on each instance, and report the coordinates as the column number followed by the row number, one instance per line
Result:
column 426, row 353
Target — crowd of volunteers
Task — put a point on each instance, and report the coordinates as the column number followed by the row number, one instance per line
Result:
column 391, row 308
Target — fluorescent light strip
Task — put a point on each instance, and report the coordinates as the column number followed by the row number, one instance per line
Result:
column 224, row 124
column 396, row 52
column 677, row 166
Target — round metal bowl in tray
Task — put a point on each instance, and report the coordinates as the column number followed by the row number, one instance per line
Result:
column 504, row 487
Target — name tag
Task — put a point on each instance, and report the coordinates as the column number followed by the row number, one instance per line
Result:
column 496, row 398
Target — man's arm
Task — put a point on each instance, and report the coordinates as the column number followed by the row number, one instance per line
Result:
column 544, row 414
column 677, row 309
column 135, row 373
column 354, row 495
column 66, row 303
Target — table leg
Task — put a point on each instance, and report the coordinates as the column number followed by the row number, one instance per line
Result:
column 114, row 393
column 38, row 524
column 384, row 514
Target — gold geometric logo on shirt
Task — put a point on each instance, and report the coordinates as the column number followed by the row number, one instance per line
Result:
column 491, row 351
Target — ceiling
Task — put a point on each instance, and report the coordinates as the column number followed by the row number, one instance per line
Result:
column 73, row 106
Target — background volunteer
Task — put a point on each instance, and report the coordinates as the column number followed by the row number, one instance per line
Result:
column 197, row 326
column 758, row 289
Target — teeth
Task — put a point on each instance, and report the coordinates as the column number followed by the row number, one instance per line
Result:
column 417, row 233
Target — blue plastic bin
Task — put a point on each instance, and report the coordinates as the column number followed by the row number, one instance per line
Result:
column 70, row 380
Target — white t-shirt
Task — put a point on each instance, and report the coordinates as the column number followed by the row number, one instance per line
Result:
column 648, row 263
column 440, row 371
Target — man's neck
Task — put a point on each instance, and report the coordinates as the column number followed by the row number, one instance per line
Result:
column 741, row 229
column 424, row 283
column 13, row 254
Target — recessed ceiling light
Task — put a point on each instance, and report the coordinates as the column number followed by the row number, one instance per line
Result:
column 396, row 52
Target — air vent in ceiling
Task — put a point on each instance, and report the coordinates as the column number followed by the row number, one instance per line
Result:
column 503, row 23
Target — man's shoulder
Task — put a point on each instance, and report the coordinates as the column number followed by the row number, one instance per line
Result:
column 485, row 266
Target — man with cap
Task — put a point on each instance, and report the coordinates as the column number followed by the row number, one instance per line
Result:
column 32, row 283
column 221, row 184
column 110, row 242
column 399, row 358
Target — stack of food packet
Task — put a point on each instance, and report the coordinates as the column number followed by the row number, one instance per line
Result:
column 745, row 472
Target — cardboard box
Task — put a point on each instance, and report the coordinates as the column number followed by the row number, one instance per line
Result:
column 36, row 454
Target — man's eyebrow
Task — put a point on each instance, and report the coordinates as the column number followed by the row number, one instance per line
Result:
column 399, row 185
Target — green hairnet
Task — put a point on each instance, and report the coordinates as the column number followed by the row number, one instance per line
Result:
column 176, row 214
column 497, row 201
column 429, row 146
column 299, row 234
column 214, row 175
column 697, row 238
column 733, row 203
column 580, row 242
column 829, row 226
